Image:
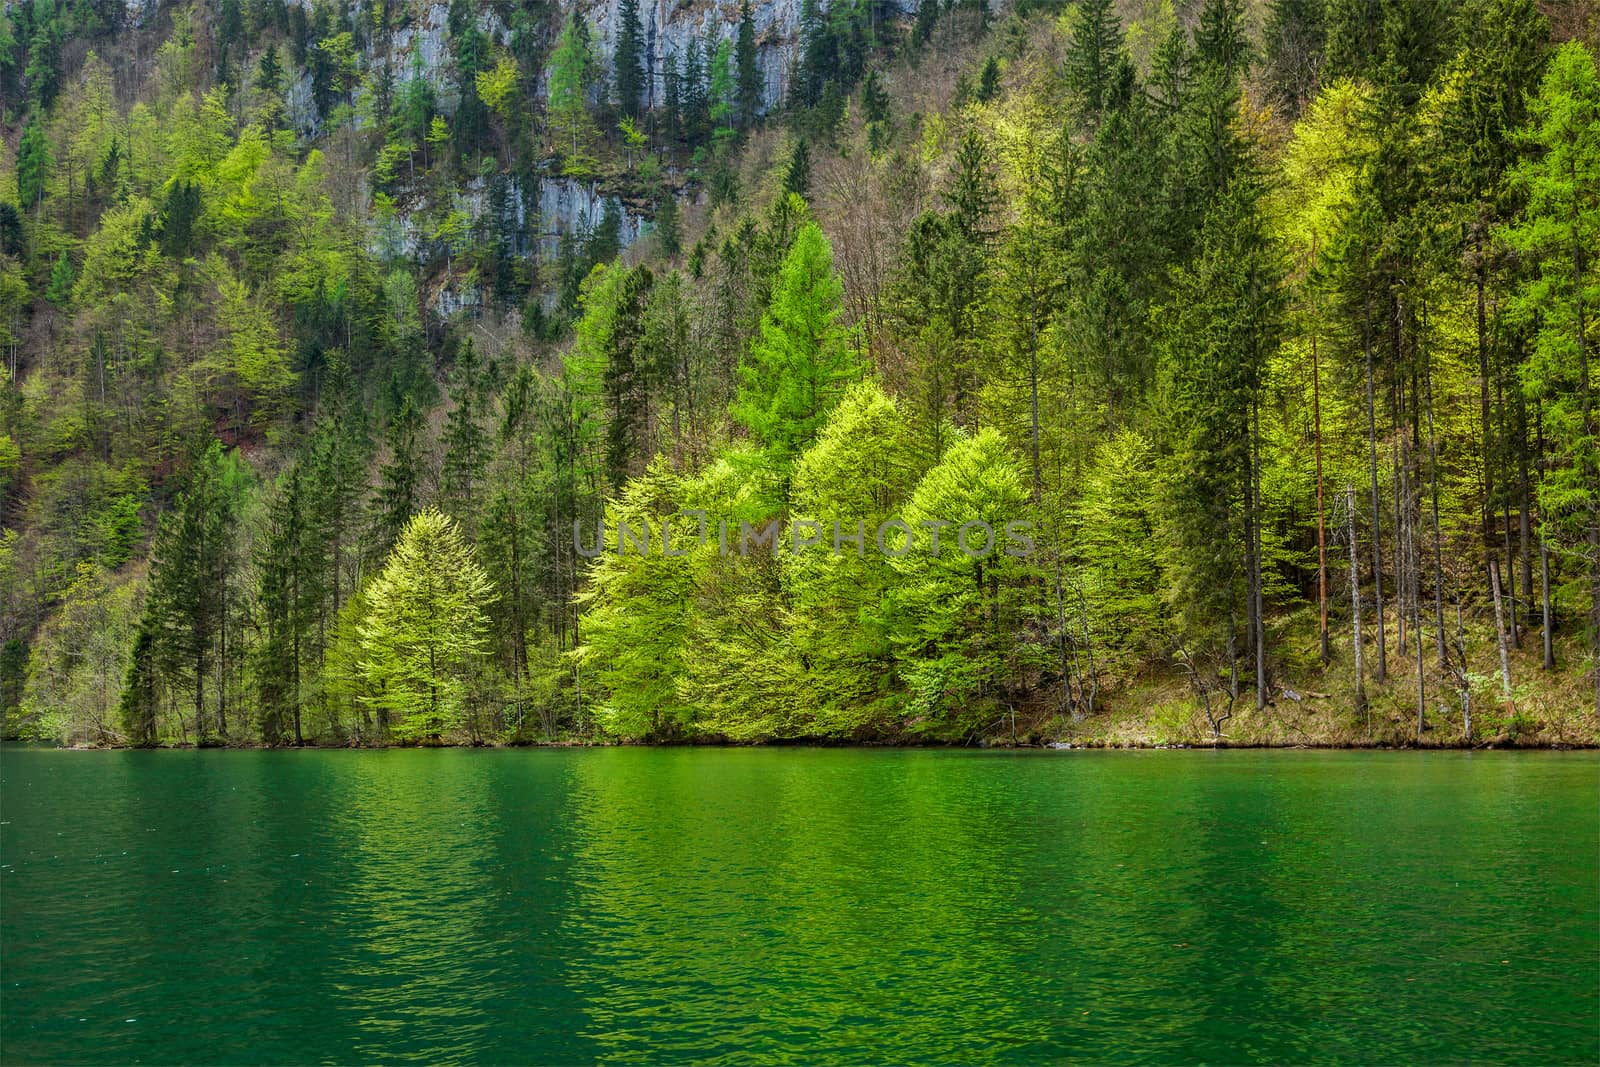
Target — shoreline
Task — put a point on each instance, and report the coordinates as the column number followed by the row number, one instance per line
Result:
column 987, row 745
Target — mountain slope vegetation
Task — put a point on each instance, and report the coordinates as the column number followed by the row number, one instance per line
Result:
column 1268, row 327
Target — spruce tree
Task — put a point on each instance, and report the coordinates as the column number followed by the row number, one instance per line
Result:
column 797, row 178
column 400, row 489
column 33, row 165
column 189, row 571
column 62, row 277
column 749, row 74
column 628, row 59
column 1094, row 55
column 466, row 442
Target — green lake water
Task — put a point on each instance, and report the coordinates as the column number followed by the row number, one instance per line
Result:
column 798, row 905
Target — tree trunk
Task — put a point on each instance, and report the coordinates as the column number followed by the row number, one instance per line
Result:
column 200, row 697
column 1466, row 683
column 1500, row 632
column 1256, row 600
column 1544, row 587
column 1322, row 545
column 1088, row 650
column 1438, row 530
column 1377, row 521
column 1355, row 595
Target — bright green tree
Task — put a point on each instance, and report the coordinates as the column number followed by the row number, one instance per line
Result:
column 1559, row 230
column 425, row 631
column 797, row 368
column 957, row 611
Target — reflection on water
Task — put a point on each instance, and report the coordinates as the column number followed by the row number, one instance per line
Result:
column 632, row 905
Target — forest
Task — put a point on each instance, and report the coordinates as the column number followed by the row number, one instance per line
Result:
column 1273, row 318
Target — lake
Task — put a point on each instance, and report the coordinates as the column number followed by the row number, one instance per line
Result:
column 798, row 905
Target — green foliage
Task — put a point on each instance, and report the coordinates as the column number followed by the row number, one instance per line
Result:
column 62, row 279
column 638, row 614
column 797, row 368
column 748, row 75
column 1092, row 280
column 425, row 632
column 628, row 61
column 191, row 565
column 1558, row 230
column 956, row 614
column 33, row 165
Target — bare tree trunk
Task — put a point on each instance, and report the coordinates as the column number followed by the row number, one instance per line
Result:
column 1402, row 570
column 1500, row 631
column 1322, row 545
column 1355, row 595
column 1061, row 629
column 1257, row 607
column 1544, row 588
column 1416, row 626
column 1544, row 557
column 1377, row 522
column 1438, row 530
column 1462, row 679
column 1088, row 650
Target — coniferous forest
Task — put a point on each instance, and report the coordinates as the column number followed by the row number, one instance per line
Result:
column 325, row 324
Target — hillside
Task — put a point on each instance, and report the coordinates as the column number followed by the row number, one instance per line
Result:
column 1257, row 336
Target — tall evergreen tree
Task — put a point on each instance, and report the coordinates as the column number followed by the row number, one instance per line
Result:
column 465, row 441
column 628, row 59
column 1095, row 55
column 800, row 364
column 1559, row 230
column 189, row 574
column 749, row 74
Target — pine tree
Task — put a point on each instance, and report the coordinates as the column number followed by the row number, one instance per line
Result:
column 671, row 98
column 692, row 91
column 291, row 570
column 874, row 98
column 1221, row 326
column 399, row 491
column 466, row 442
column 927, row 19
column 1220, row 39
column 627, row 378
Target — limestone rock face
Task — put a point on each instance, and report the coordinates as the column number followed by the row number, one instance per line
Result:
column 670, row 26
